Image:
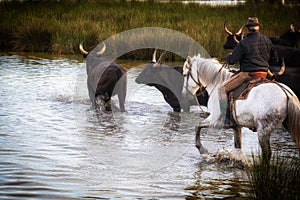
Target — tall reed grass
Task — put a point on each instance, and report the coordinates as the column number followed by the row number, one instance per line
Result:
column 57, row 27
column 278, row 179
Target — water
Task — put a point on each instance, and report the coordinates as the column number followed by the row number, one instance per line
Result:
column 206, row 2
column 53, row 145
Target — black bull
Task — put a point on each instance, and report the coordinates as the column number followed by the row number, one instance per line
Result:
column 291, row 76
column 170, row 81
column 104, row 79
column 290, row 38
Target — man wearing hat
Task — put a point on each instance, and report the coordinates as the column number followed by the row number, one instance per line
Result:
column 253, row 54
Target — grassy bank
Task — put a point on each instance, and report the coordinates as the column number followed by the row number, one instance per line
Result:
column 277, row 180
column 58, row 27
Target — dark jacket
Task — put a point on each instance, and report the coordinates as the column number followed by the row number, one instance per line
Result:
column 254, row 53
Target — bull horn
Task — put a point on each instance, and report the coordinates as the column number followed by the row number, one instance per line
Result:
column 240, row 31
column 234, row 38
column 226, row 29
column 102, row 50
column 270, row 74
column 84, row 52
column 161, row 57
column 292, row 27
column 154, row 56
column 282, row 69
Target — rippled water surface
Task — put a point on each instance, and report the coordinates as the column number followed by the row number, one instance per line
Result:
column 53, row 145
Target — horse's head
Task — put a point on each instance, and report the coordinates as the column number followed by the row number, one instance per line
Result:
column 192, row 82
column 207, row 72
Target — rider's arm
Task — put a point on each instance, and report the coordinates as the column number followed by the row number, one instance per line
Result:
column 235, row 56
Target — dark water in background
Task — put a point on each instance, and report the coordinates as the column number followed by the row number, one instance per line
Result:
column 54, row 146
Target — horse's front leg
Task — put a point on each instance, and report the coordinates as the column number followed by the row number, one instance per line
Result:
column 200, row 147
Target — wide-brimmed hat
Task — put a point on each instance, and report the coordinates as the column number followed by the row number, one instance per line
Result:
column 252, row 21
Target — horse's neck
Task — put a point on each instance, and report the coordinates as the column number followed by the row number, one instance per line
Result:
column 216, row 79
column 225, row 75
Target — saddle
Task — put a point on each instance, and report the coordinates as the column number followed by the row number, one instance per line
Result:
column 241, row 93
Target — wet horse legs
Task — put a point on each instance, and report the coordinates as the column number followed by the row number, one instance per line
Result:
column 264, row 141
column 199, row 146
column 237, row 137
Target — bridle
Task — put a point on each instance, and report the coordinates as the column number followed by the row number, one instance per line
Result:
column 197, row 82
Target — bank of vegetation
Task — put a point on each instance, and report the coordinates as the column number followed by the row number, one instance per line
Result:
column 275, row 180
column 57, row 27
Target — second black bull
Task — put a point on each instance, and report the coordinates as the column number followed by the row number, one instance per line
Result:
column 170, row 82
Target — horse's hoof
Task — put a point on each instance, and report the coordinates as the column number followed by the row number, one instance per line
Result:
column 203, row 150
column 204, row 114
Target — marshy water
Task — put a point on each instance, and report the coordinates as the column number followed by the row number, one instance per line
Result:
column 53, row 145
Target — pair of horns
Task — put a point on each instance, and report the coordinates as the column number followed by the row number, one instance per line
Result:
column 84, row 52
column 234, row 34
column 160, row 58
column 230, row 33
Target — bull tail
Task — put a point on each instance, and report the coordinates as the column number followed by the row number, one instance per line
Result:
column 293, row 119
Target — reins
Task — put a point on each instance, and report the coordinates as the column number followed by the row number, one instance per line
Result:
column 189, row 74
column 198, row 83
column 225, row 65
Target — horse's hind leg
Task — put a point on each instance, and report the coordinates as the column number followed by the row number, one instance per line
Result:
column 264, row 141
column 264, row 133
column 237, row 137
column 199, row 145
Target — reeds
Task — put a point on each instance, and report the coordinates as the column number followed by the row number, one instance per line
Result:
column 57, row 27
column 277, row 180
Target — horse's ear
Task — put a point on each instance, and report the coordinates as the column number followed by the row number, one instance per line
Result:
column 189, row 60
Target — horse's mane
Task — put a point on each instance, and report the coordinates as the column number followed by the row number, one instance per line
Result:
column 209, row 70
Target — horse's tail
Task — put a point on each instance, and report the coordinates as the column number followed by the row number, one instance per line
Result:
column 293, row 119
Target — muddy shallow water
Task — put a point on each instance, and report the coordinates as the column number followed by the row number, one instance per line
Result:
column 53, row 145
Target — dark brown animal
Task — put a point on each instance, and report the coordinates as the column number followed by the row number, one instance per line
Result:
column 104, row 79
column 290, row 38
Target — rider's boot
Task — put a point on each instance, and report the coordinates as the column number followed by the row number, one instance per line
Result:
column 225, row 114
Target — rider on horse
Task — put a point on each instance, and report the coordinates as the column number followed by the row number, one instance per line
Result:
column 254, row 53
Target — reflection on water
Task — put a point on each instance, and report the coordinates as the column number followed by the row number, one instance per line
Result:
column 54, row 146
column 205, row 2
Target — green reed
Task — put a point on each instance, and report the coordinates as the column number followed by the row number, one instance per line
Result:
column 58, row 27
column 277, row 180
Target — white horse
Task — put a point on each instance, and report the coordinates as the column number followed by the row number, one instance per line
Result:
column 265, row 109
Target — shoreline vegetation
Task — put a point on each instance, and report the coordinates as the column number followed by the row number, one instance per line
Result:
column 275, row 180
column 58, row 27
